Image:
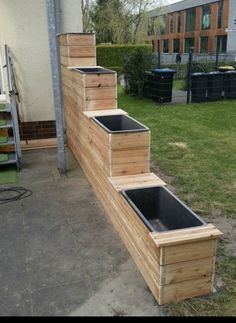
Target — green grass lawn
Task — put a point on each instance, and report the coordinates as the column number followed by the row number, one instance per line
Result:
column 195, row 145
column 8, row 175
column 178, row 84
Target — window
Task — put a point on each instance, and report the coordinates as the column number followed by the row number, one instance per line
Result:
column 161, row 25
column 189, row 42
column 222, row 44
column 206, row 17
column 190, row 20
column 165, row 46
column 178, row 22
column 204, row 45
column 176, row 46
column 220, row 14
column 171, row 24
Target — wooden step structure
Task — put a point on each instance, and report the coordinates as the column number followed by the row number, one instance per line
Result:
column 175, row 264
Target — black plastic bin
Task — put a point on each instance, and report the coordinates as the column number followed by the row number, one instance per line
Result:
column 160, row 210
column 230, row 85
column 159, row 83
column 119, row 124
column 94, row 70
column 199, row 87
column 215, row 86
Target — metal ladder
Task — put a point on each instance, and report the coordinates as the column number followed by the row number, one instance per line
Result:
column 10, row 114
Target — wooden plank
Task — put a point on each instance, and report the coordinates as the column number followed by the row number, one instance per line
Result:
column 133, row 168
column 186, row 289
column 100, row 80
column 187, row 270
column 38, row 144
column 177, row 237
column 188, row 251
column 127, row 140
column 130, row 156
column 78, row 51
column 100, row 113
column 102, row 93
column 77, row 39
column 136, row 181
column 96, row 104
column 77, row 61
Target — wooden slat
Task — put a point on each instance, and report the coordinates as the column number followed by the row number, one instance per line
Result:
column 136, row 181
column 39, row 144
column 100, row 113
column 100, row 80
column 127, row 140
column 77, row 40
column 187, row 270
column 186, row 236
column 188, row 251
column 101, row 93
column 77, row 61
column 78, row 51
column 186, row 289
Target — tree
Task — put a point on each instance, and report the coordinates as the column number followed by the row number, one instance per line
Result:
column 86, row 11
column 108, row 19
column 118, row 21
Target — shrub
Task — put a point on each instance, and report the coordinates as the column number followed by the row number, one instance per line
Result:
column 112, row 56
column 135, row 66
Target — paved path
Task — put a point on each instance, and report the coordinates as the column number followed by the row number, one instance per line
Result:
column 59, row 254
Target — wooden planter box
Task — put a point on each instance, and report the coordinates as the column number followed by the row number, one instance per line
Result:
column 95, row 90
column 176, row 264
column 77, row 49
column 120, row 153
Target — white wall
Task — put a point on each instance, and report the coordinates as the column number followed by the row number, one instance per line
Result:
column 23, row 26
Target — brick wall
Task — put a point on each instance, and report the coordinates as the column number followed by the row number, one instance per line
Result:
column 38, row 130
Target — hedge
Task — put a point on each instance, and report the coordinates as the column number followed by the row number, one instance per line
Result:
column 112, row 56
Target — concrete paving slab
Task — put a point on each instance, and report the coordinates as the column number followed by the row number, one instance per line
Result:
column 61, row 300
column 15, row 303
column 62, row 254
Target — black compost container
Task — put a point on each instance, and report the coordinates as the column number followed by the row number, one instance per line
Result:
column 119, row 124
column 230, row 85
column 160, row 84
column 148, row 79
column 199, row 87
column 94, row 70
column 215, row 86
column 160, row 210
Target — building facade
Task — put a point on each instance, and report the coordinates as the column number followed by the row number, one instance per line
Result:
column 205, row 25
column 24, row 28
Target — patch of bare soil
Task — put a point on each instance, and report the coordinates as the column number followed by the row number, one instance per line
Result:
column 228, row 227
column 169, row 180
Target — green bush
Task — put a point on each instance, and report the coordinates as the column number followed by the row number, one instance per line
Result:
column 112, row 56
column 135, row 66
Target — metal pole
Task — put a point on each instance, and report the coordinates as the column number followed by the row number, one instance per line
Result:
column 190, row 62
column 159, row 59
column 58, row 101
column 217, row 56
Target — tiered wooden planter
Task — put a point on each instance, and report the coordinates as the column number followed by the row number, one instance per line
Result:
column 176, row 264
